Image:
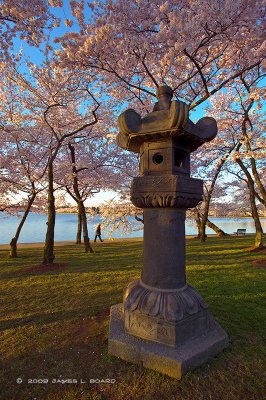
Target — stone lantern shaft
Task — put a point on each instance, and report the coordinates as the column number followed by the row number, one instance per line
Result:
column 164, row 248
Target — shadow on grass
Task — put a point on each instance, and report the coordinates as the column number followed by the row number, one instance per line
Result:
column 65, row 334
column 82, row 359
column 84, row 356
column 43, row 319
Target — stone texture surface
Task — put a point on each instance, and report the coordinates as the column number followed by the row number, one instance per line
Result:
column 170, row 305
column 170, row 152
column 164, row 264
column 170, row 191
column 168, row 118
column 166, row 332
column 172, row 361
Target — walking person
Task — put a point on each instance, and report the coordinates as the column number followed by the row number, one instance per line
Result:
column 98, row 233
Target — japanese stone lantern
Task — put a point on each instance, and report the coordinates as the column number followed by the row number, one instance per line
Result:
column 163, row 322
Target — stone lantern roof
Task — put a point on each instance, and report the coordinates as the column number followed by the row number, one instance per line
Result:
column 169, row 118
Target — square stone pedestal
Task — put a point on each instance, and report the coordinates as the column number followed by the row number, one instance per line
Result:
column 172, row 361
column 166, row 332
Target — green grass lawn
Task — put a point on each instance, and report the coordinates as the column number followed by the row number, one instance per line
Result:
column 54, row 324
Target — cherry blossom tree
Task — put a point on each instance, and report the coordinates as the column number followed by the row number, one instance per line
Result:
column 23, row 158
column 207, row 164
column 61, row 106
column 24, row 170
column 196, row 47
column 118, row 213
column 8, row 201
column 83, row 180
column 94, row 163
column 29, row 21
column 239, row 113
column 124, row 54
column 239, row 201
column 80, row 191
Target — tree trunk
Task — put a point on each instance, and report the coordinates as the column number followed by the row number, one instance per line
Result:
column 88, row 248
column 253, row 206
column 14, row 240
column 197, row 220
column 258, row 182
column 139, row 219
column 208, row 197
column 202, row 231
column 48, row 256
column 262, row 197
column 216, row 229
column 79, row 231
column 211, row 225
column 78, row 199
column 256, row 218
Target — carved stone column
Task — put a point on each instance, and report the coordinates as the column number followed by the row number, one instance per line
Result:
column 161, row 307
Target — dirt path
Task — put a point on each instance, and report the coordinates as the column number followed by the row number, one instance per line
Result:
column 65, row 243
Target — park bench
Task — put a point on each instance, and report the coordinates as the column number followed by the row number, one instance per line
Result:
column 240, row 231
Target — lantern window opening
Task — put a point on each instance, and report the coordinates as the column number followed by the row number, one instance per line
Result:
column 180, row 159
column 157, row 158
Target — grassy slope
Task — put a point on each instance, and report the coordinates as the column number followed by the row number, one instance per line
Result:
column 55, row 324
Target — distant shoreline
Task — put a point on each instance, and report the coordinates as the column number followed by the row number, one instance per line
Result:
column 6, row 246
column 60, row 211
column 210, row 216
